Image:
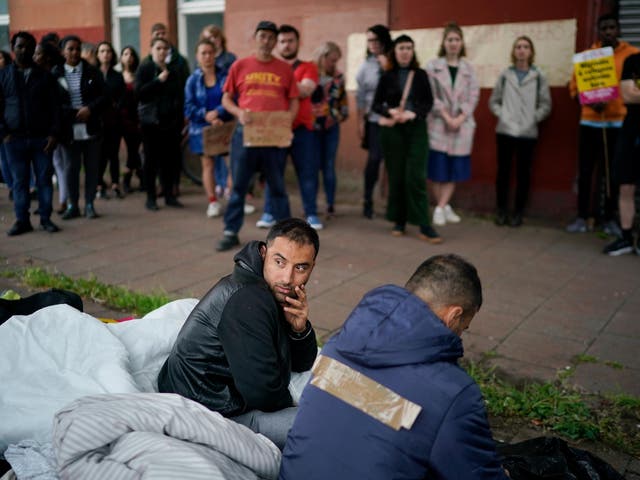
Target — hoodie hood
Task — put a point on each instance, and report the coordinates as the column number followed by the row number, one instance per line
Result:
column 249, row 258
column 392, row 327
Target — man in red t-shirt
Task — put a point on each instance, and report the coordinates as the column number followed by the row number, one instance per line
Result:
column 304, row 147
column 259, row 83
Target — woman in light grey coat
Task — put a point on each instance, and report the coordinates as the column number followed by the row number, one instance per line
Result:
column 521, row 99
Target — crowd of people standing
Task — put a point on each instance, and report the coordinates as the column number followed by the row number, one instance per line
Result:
column 416, row 122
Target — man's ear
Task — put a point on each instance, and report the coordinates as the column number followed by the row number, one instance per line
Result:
column 263, row 251
column 451, row 316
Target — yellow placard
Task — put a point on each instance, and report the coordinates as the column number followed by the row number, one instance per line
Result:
column 596, row 73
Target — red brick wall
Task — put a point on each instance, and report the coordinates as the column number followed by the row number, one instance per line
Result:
column 88, row 19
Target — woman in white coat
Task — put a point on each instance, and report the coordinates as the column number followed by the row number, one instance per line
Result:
column 521, row 99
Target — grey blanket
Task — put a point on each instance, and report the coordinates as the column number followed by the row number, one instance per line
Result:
column 159, row 436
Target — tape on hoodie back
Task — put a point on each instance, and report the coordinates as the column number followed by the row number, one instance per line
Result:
column 363, row 393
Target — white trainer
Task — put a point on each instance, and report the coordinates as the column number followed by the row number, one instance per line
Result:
column 213, row 210
column 249, row 209
column 438, row 216
column 449, row 215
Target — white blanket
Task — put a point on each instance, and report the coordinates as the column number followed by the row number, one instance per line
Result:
column 159, row 436
column 58, row 354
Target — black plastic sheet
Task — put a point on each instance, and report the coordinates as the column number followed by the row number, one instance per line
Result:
column 553, row 458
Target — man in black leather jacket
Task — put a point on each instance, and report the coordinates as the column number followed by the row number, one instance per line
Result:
column 236, row 351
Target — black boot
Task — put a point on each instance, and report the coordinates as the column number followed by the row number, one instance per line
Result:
column 367, row 211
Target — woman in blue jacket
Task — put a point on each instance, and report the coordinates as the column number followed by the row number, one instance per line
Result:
column 203, row 107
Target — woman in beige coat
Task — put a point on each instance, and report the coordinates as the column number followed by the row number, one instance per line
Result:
column 521, row 99
column 451, row 123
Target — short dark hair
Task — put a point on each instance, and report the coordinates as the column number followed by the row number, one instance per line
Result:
column 608, row 16
column 155, row 40
column 384, row 37
column 448, row 280
column 51, row 37
column 30, row 39
column 70, row 38
column 114, row 56
column 296, row 230
column 158, row 26
column 414, row 65
column 289, row 29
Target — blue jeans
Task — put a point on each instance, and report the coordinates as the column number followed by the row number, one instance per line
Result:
column 306, row 162
column 327, row 148
column 220, row 171
column 245, row 161
column 4, row 167
column 22, row 153
column 273, row 425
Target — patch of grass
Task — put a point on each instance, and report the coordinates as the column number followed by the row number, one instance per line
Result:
column 565, row 411
column 614, row 364
column 111, row 296
column 584, row 358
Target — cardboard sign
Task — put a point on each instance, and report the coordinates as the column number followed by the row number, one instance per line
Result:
column 596, row 75
column 268, row 129
column 217, row 139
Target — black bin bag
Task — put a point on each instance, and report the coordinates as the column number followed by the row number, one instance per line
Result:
column 552, row 458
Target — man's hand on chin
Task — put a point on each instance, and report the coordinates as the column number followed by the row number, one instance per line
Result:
column 296, row 310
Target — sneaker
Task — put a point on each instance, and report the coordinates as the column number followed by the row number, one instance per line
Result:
column 227, row 242
column 249, row 209
column 48, row 226
column 612, row 229
column 618, row 247
column 367, row 210
column 19, row 228
column 449, row 215
column 213, row 210
column 439, row 217
column 516, row 220
column 314, row 222
column 428, row 234
column 501, row 218
column 579, row 225
column 172, row 201
column 398, row 230
column 266, row 221
column 71, row 212
column 89, row 211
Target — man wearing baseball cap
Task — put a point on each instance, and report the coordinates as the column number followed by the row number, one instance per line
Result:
column 258, row 83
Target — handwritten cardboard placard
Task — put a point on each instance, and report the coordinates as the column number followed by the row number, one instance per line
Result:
column 596, row 75
column 268, row 129
column 217, row 139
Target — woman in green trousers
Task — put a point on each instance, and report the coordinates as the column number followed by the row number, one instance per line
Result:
column 403, row 99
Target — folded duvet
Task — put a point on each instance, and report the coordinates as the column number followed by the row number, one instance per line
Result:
column 159, row 436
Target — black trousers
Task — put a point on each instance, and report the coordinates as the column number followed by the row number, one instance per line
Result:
column 592, row 198
column 372, row 169
column 159, row 145
column 522, row 148
column 109, row 155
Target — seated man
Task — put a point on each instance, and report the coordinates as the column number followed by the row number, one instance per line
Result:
column 237, row 348
column 387, row 398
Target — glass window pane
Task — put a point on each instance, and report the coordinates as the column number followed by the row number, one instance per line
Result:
column 195, row 23
column 130, row 33
column 128, row 3
column 4, row 38
column 4, row 7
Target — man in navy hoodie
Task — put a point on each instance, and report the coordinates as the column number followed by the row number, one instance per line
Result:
column 387, row 398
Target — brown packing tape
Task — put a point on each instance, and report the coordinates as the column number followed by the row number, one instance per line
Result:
column 363, row 393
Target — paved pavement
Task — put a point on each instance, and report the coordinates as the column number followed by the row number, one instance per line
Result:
column 550, row 298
